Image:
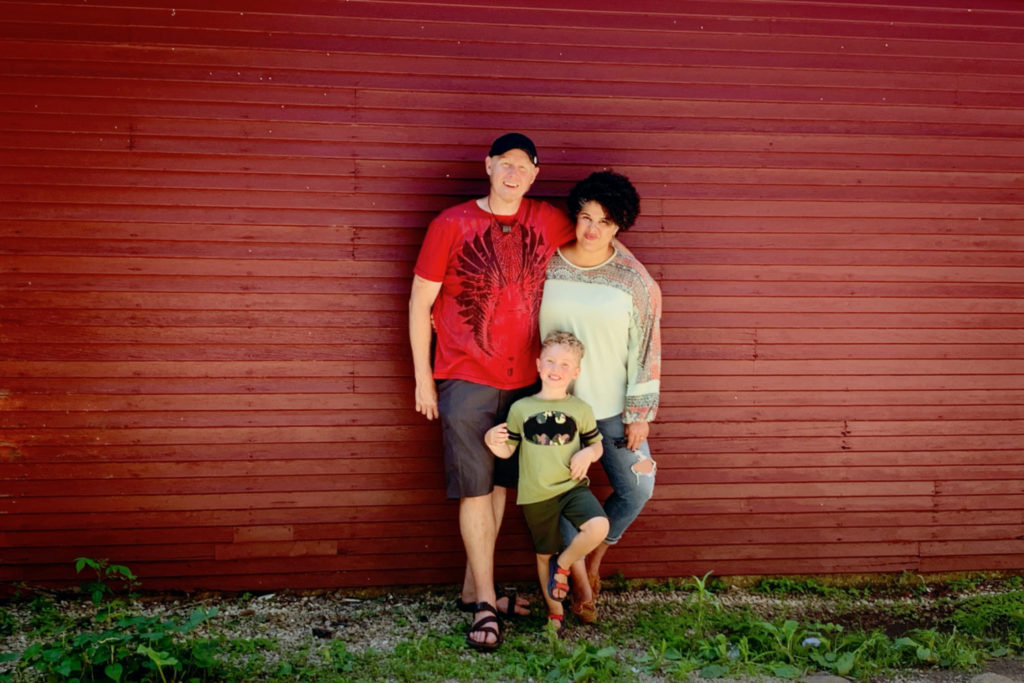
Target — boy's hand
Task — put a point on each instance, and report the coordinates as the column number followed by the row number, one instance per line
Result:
column 580, row 463
column 496, row 435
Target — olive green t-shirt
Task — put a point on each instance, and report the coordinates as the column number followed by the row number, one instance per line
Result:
column 548, row 433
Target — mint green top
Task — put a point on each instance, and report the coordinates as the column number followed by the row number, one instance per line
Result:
column 548, row 433
column 614, row 308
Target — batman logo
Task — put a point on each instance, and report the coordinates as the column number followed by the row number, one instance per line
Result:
column 550, row 428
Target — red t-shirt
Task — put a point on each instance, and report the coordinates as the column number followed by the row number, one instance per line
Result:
column 491, row 284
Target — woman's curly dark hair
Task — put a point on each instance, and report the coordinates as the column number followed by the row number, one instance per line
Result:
column 612, row 191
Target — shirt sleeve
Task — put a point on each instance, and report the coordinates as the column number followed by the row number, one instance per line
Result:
column 432, row 262
column 514, row 424
column 589, row 433
column 643, row 364
column 561, row 230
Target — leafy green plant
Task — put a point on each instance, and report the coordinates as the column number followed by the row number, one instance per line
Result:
column 970, row 582
column 996, row 615
column 46, row 618
column 585, row 662
column 133, row 648
column 913, row 582
column 704, row 603
column 7, row 622
column 1013, row 583
column 116, row 645
column 784, row 585
column 100, row 588
column 619, row 582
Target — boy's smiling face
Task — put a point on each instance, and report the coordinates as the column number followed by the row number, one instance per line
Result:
column 558, row 366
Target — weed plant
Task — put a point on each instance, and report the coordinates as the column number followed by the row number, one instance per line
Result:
column 688, row 630
column 115, row 644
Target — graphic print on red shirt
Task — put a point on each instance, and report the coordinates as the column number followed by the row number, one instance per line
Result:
column 502, row 279
column 486, row 313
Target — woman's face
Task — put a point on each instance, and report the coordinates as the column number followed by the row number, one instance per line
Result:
column 594, row 230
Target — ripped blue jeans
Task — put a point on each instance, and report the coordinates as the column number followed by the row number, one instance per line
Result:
column 631, row 489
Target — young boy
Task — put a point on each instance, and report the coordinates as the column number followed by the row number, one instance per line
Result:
column 550, row 429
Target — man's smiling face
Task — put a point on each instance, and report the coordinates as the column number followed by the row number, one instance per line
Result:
column 511, row 174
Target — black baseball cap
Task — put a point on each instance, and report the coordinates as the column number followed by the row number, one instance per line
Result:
column 514, row 141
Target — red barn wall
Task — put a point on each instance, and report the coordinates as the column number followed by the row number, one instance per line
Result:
column 208, row 227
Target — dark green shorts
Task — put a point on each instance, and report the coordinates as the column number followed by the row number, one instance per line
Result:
column 578, row 505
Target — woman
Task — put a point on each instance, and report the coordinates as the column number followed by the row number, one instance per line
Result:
column 605, row 297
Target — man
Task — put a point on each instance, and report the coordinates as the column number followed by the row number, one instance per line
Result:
column 479, row 278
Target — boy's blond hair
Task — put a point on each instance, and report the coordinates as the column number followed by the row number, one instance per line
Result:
column 566, row 339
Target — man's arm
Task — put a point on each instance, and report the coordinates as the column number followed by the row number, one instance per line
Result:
column 424, row 293
column 621, row 247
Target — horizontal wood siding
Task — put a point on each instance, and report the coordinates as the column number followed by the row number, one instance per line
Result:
column 208, row 228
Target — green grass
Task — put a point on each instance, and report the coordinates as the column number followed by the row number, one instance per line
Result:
column 682, row 628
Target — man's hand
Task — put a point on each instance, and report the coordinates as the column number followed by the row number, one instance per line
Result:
column 426, row 399
column 421, row 301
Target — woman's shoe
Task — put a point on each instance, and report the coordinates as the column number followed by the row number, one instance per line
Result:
column 586, row 610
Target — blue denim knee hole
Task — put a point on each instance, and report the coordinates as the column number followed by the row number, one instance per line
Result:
column 631, row 489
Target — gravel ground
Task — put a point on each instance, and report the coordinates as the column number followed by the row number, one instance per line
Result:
column 380, row 620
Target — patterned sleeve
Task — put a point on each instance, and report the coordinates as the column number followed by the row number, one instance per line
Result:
column 643, row 366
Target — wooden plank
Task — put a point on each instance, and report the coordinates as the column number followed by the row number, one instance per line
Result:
column 702, row 47
column 163, row 402
column 218, row 501
column 339, row 267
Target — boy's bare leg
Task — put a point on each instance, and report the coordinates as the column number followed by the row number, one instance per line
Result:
column 477, row 526
column 554, row 606
column 592, row 534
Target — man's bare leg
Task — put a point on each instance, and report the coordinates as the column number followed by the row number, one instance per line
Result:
column 522, row 606
column 477, row 526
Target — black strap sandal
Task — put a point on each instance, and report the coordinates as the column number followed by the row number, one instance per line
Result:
column 484, row 625
column 508, row 612
column 510, row 607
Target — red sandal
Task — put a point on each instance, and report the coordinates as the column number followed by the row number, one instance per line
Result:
column 554, row 574
column 557, row 619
